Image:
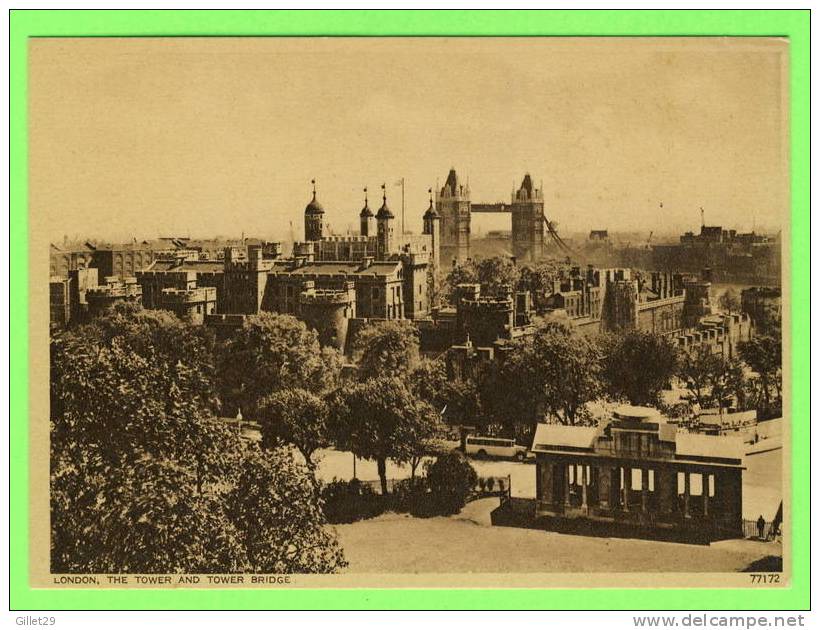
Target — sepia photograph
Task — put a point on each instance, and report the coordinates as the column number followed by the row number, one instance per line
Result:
column 409, row 311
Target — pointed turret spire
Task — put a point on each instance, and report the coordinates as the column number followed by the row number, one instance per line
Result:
column 384, row 212
column 431, row 209
column 314, row 207
column 366, row 211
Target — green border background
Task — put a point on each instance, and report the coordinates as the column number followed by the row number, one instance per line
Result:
column 793, row 24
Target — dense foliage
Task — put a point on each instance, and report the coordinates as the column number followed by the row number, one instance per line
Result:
column 351, row 501
column 450, row 478
column 272, row 352
column 381, row 419
column 387, row 348
column 637, row 365
column 295, row 416
column 500, row 271
column 143, row 471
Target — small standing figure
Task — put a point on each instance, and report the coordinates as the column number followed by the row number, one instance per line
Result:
column 761, row 525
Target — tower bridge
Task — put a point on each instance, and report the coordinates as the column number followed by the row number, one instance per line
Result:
column 530, row 226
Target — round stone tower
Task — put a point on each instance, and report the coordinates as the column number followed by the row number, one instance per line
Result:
column 366, row 220
column 384, row 230
column 314, row 218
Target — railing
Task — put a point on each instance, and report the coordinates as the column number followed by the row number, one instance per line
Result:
column 376, row 484
column 751, row 530
column 493, row 486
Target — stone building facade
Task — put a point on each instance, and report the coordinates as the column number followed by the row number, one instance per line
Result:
column 485, row 319
column 191, row 303
column 113, row 291
column 638, row 472
column 59, row 297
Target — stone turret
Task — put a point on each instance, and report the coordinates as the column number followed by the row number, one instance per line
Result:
column 366, row 220
column 528, row 221
column 453, row 207
column 432, row 226
column 314, row 218
column 328, row 311
column 384, row 230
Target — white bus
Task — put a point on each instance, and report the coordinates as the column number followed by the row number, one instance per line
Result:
column 483, row 447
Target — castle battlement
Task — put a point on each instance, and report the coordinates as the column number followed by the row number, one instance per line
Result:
column 173, row 296
column 257, row 265
column 329, row 297
column 488, row 304
column 349, row 238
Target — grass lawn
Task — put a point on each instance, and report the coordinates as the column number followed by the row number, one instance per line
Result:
column 396, row 543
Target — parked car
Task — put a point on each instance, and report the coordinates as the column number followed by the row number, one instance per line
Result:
column 484, row 447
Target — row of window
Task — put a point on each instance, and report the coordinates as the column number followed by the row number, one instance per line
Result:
column 491, row 442
column 697, row 481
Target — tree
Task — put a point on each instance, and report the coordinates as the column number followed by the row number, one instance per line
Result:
column 381, row 419
column 276, row 508
column 272, row 352
column 637, row 365
column 298, row 417
column 143, row 518
column 492, row 274
column 387, row 348
column 138, row 383
column 538, row 279
column 506, row 399
column 696, row 370
column 711, row 378
column 140, row 465
column 451, row 478
column 429, row 380
column 764, row 355
column 463, row 402
column 728, row 382
column 460, row 273
column 729, row 301
column 495, row 274
column 556, row 370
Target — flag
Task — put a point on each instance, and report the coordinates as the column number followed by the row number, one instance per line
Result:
column 399, row 182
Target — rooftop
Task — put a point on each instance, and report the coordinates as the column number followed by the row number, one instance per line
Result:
column 723, row 450
column 335, row 268
column 202, row 266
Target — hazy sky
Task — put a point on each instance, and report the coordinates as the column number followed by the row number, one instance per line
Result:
column 151, row 137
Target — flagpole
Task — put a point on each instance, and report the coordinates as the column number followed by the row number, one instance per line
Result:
column 402, row 206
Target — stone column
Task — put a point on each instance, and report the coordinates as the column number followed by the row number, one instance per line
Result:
column 584, row 482
column 686, row 494
column 705, row 485
column 566, row 484
column 627, row 471
column 666, row 485
column 547, row 483
column 644, row 489
column 604, row 489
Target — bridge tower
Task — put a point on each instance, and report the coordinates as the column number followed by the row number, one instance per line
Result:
column 528, row 221
column 453, row 206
